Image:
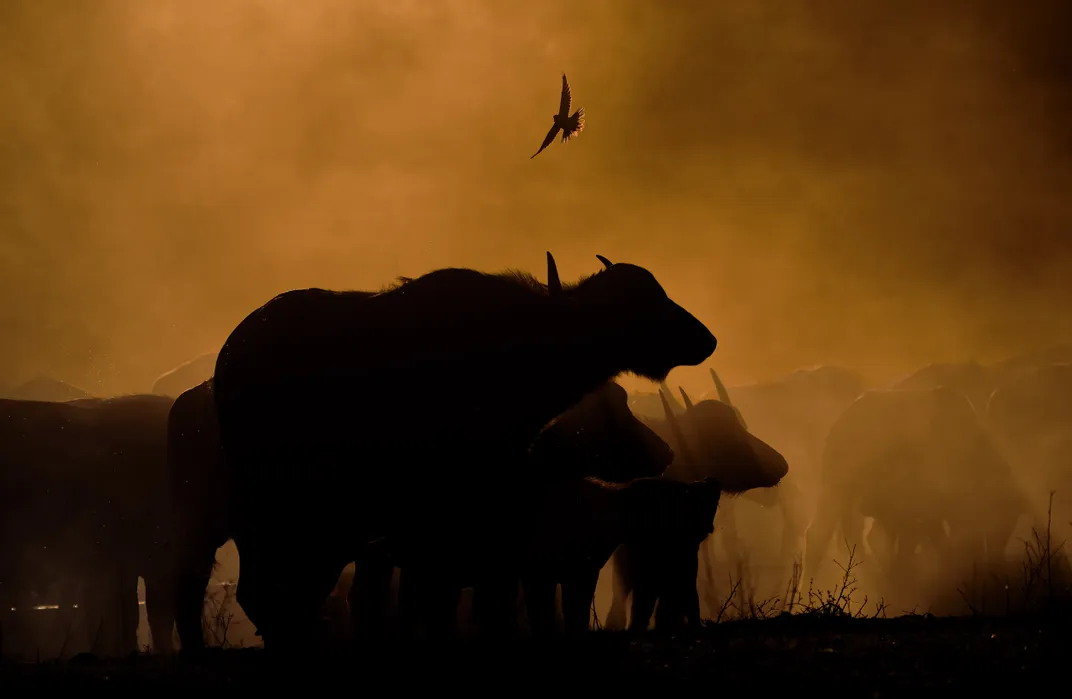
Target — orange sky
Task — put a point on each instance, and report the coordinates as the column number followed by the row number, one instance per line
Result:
column 818, row 181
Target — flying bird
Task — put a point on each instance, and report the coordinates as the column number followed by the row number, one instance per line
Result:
column 570, row 125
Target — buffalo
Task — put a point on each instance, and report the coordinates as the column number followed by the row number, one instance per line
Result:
column 711, row 443
column 599, row 437
column 971, row 379
column 83, row 487
column 786, row 496
column 916, row 461
column 582, row 523
column 1030, row 416
column 1012, row 367
column 44, row 388
column 308, row 464
column 199, row 504
column 185, row 376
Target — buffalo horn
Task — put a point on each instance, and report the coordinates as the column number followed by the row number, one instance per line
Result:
column 724, row 396
column 606, row 263
column 679, row 436
column 554, row 285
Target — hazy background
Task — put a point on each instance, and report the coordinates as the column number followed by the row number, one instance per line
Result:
column 876, row 184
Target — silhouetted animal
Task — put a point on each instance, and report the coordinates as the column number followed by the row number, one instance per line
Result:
column 199, row 487
column 793, row 414
column 583, row 521
column 598, row 437
column 569, row 125
column 971, row 379
column 597, row 443
column 786, row 496
column 302, row 453
column 43, row 388
column 1030, row 416
column 83, row 487
column 709, row 442
column 913, row 459
column 1010, row 368
column 185, row 376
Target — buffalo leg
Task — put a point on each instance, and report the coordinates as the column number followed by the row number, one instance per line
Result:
column 495, row 605
column 428, row 598
column 540, row 605
column 129, row 611
column 621, row 587
column 160, row 610
column 408, row 601
column 112, row 612
column 817, row 538
column 577, row 596
column 369, row 596
column 852, row 532
column 645, row 595
column 904, row 575
column 881, row 544
column 424, row 601
column 284, row 606
column 679, row 605
column 674, row 601
column 189, row 583
column 669, row 614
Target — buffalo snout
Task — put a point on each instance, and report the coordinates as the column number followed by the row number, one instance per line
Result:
column 696, row 342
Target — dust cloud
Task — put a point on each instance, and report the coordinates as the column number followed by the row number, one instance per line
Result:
column 821, row 181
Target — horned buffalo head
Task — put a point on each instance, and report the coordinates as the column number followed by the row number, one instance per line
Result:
column 713, row 441
column 637, row 324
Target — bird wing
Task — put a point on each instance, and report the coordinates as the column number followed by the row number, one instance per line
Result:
column 567, row 98
column 574, row 126
column 546, row 141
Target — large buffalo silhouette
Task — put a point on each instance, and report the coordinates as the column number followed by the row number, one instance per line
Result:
column 315, row 475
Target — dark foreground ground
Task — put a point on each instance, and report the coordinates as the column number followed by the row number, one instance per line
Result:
column 851, row 657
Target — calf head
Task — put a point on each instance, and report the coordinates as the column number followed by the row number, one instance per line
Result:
column 600, row 437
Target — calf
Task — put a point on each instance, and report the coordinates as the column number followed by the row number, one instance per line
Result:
column 718, row 449
column 583, row 521
column 598, row 437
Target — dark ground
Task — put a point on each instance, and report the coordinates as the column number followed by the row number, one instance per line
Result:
column 859, row 657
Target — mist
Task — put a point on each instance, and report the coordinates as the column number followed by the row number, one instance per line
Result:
column 823, row 181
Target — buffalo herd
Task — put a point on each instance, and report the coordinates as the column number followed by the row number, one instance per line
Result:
column 520, row 472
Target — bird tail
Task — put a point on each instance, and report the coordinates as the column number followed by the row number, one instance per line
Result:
column 574, row 126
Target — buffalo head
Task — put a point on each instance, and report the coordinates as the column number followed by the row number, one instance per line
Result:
column 635, row 320
column 714, row 442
